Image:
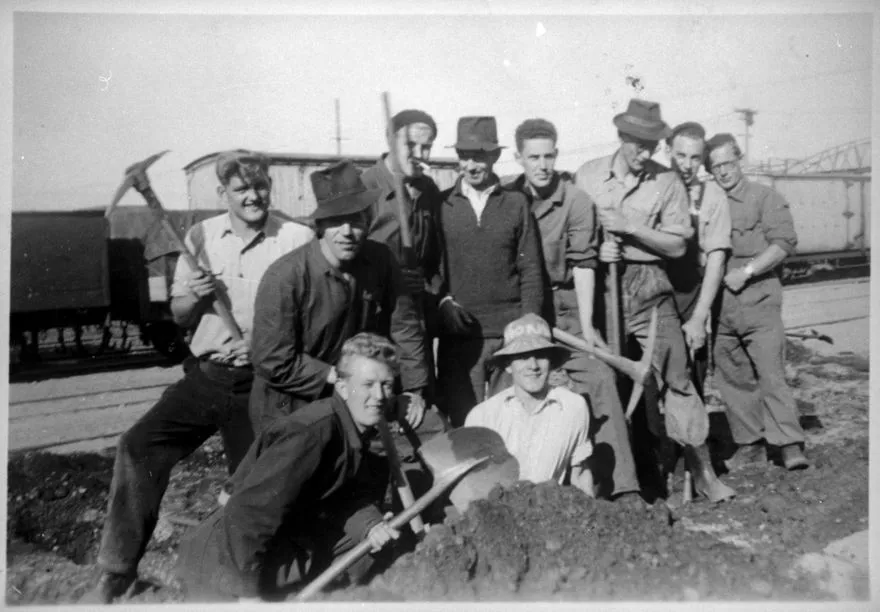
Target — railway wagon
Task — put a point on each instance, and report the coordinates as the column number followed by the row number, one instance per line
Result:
column 291, row 187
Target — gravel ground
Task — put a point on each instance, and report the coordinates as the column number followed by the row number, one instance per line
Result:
column 531, row 542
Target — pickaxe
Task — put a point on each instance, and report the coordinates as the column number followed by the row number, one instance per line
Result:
column 637, row 371
column 813, row 335
column 136, row 176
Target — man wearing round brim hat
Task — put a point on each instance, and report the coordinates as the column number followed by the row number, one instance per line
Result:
column 643, row 207
column 546, row 428
column 311, row 301
column 492, row 272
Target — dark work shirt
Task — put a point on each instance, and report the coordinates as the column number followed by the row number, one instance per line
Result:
column 306, row 309
column 493, row 267
column 421, row 207
column 307, row 467
column 759, row 217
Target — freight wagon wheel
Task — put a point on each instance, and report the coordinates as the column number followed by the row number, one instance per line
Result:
column 168, row 339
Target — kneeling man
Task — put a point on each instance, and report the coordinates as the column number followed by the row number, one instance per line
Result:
column 306, row 492
column 545, row 428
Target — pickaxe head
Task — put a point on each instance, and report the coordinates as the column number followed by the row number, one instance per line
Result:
column 644, row 364
column 135, row 174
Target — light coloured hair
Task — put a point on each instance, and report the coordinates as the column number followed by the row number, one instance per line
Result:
column 369, row 345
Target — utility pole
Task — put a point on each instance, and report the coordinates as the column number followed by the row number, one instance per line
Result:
column 748, row 117
column 338, row 130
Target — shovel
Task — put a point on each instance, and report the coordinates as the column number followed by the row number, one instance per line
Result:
column 443, row 482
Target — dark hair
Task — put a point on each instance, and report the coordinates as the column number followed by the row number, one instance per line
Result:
column 534, row 128
column 247, row 165
column 369, row 345
column 410, row 116
column 719, row 140
column 691, row 129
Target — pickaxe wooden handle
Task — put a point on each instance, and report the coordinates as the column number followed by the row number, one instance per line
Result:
column 637, row 371
column 136, row 177
column 399, row 191
column 441, row 483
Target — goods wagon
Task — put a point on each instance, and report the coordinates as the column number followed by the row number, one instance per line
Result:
column 79, row 268
column 291, row 187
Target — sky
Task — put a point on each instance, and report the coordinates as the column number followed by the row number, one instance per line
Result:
column 94, row 92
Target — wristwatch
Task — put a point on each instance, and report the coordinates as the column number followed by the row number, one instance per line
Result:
column 749, row 269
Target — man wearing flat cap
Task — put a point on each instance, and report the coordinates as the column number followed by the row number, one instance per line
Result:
column 545, row 428
column 233, row 250
column 643, row 207
column 749, row 359
column 492, row 271
column 315, row 298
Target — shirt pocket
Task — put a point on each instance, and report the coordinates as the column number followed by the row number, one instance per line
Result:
column 744, row 218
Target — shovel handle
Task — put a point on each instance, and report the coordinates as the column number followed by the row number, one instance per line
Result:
column 398, row 475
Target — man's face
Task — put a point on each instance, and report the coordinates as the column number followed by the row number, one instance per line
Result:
column 531, row 371
column 636, row 151
column 725, row 167
column 367, row 391
column 343, row 236
column 538, row 159
column 687, row 155
column 247, row 199
column 476, row 166
column 413, row 145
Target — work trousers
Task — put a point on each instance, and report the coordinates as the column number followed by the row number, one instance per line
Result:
column 612, row 463
column 685, row 416
column 685, row 303
column 210, row 397
column 463, row 373
column 295, row 557
column 750, row 366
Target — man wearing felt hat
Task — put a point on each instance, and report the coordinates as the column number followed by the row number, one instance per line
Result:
column 492, row 271
column 643, row 207
column 315, row 298
column 546, row 428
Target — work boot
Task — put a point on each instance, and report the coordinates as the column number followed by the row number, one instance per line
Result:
column 745, row 455
column 793, row 458
column 111, row 586
column 705, row 481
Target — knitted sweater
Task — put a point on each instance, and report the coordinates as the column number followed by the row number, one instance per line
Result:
column 493, row 267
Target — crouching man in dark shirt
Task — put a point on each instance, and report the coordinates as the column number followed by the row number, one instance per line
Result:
column 306, row 492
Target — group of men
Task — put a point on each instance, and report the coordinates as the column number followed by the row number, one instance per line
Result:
column 339, row 317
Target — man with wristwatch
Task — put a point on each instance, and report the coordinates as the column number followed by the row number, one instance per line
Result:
column 749, row 346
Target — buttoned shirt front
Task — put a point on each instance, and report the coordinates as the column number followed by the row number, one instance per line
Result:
column 759, row 216
column 656, row 199
column 478, row 198
column 546, row 442
column 568, row 226
column 237, row 265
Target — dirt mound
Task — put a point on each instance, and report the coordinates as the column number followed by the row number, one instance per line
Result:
column 550, row 542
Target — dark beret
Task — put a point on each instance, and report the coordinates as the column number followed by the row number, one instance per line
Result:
column 411, row 115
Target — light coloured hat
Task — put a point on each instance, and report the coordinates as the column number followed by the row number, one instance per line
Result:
column 527, row 334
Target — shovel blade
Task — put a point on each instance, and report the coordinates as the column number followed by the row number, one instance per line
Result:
column 451, row 448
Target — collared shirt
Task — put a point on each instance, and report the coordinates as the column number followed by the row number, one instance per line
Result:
column 656, row 199
column 709, row 202
column 547, row 442
column 568, row 226
column 760, row 216
column 306, row 309
column 422, row 208
column 238, row 266
column 478, row 198
column 313, row 465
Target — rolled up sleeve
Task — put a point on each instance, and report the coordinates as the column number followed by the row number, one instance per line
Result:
column 777, row 222
column 674, row 217
column 716, row 234
column 582, row 249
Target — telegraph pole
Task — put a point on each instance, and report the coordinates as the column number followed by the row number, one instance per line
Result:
column 339, row 131
column 748, row 117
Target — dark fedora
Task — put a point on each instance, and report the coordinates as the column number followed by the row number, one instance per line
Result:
column 477, row 134
column 340, row 191
column 642, row 120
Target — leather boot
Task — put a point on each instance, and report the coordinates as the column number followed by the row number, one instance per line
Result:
column 705, row 481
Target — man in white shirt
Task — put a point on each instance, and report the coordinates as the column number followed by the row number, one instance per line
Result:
column 545, row 428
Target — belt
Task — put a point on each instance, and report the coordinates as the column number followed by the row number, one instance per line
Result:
column 208, row 366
